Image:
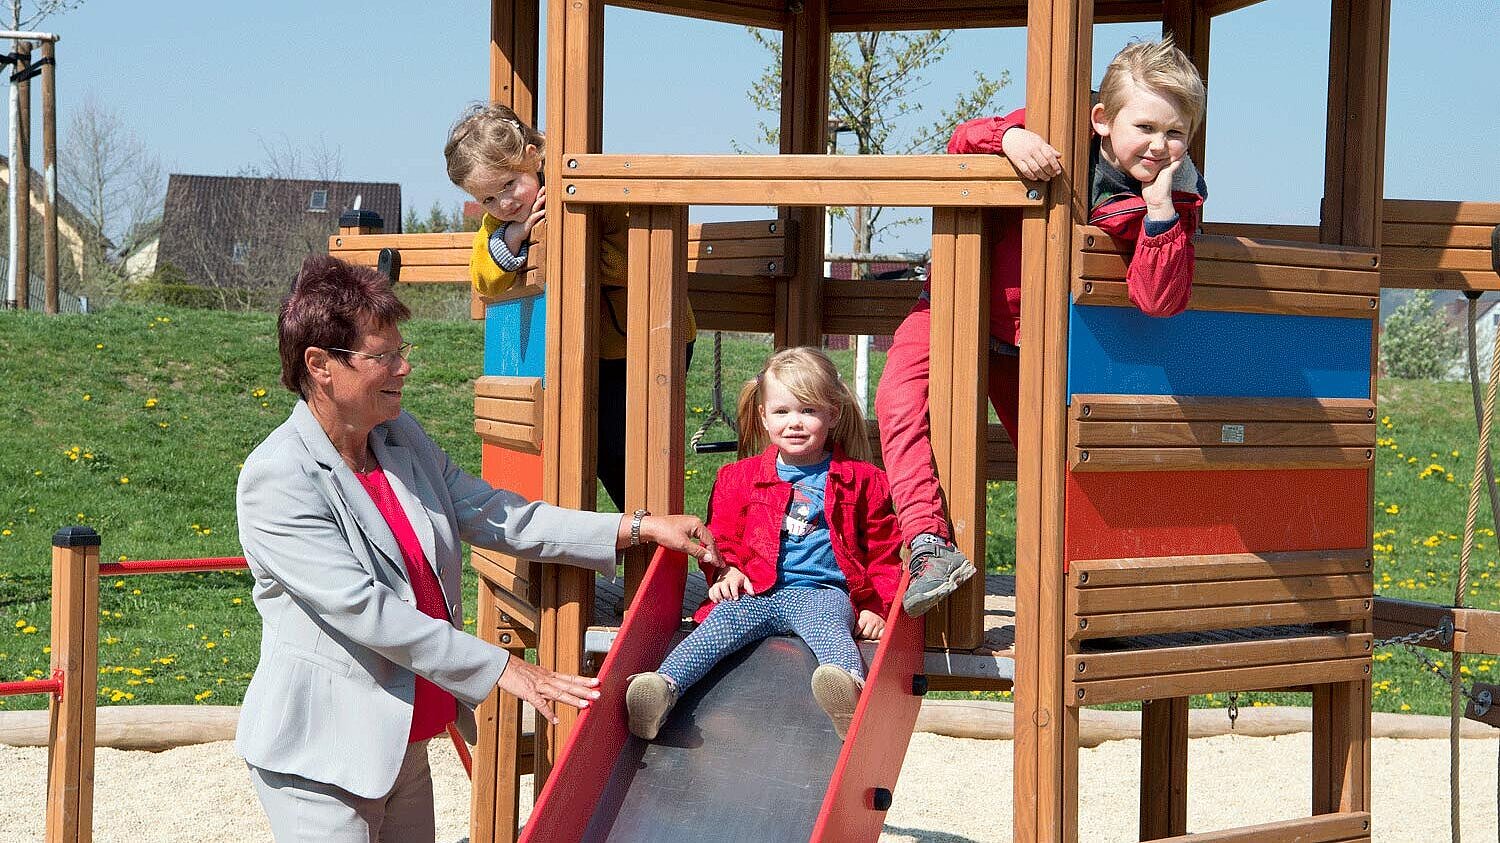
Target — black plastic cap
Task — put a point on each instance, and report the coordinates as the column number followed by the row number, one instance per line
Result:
column 79, row 536
column 880, row 798
column 919, row 685
column 1495, row 250
column 389, row 264
column 360, row 218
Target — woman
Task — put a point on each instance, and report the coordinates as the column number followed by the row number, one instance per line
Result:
column 351, row 519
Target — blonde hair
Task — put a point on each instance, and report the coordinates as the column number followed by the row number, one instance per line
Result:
column 810, row 376
column 489, row 137
column 1159, row 67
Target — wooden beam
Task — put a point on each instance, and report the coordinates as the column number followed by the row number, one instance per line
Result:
column 805, row 44
column 514, row 37
column 656, row 370
column 1164, row 744
column 1188, row 22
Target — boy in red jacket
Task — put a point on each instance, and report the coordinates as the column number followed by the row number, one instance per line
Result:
column 1143, row 189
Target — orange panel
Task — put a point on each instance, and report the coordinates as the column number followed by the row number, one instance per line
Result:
column 506, row 469
column 1187, row 513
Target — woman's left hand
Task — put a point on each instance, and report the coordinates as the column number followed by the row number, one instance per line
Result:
column 541, row 687
column 684, row 533
column 869, row 625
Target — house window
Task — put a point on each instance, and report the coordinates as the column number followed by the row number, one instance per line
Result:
column 318, row 201
column 240, row 252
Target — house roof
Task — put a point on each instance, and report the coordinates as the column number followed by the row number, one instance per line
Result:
column 65, row 209
column 206, row 216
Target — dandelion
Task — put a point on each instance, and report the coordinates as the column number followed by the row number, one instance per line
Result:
column 124, row 481
column 258, row 392
column 150, row 402
column 1405, row 707
column 1393, row 509
column 4, row 532
column 87, row 397
column 28, row 630
column 119, row 583
column 20, row 624
column 236, row 601
column 209, row 645
column 98, row 346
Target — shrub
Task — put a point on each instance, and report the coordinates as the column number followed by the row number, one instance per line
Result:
column 1415, row 341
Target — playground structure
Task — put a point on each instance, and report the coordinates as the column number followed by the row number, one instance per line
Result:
column 1194, row 498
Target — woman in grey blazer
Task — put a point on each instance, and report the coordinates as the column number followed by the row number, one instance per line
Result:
column 351, row 519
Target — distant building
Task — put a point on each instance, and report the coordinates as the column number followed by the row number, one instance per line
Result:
column 237, row 232
column 74, row 230
column 1487, row 316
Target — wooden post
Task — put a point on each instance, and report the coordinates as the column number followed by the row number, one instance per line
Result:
column 513, row 56
column 1164, row 746
column 20, row 170
column 1352, row 207
column 1188, row 22
column 575, row 72
column 49, row 173
column 656, row 366
column 497, row 776
column 956, row 405
column 1059, row 44
column 75, row 655
column 804, row 128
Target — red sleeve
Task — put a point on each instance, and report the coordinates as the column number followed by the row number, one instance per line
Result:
column 1160, row 275
column 983, row 134
column 880, row 547
column 726, row 520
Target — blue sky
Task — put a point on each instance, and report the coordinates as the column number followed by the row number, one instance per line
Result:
column 206, row 84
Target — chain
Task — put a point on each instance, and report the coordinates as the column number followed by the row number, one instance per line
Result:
column 1480, row 700
column 1442, row 633
column 1234, row 708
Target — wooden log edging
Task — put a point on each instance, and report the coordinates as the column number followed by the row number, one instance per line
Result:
column 156, row 728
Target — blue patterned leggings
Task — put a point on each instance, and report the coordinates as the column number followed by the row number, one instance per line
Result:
column 823, row 617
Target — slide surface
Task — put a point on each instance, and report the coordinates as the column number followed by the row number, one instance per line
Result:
column 747, row 754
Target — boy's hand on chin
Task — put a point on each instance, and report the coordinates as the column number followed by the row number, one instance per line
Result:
column 1158, row 194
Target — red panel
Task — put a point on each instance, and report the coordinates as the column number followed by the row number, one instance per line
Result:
column 1187, row 513
column 567, row 802
column 878, row 736
column 514, row 470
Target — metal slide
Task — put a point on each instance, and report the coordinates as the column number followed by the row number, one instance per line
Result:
column 747, row 754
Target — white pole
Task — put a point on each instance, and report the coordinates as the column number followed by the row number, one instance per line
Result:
column 862, row 371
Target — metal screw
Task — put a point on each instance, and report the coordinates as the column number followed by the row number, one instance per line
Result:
column 339, row 241
column 1089, row 240
column 572, row 163
column 1083, row 623
column 505, row 638
column 1373, row 304
column 1367, row 604
column 1367, row 645
column 1087, row 409
column 1369, row 414
column 709, row 249
column 1369, row 455
column 771, row 266
column 1375, row 261
column 773, row 228
column 964, row 192
column 1088, row 286
column 1367, row 668
column 627, row 191
column 505, row 617
column 1083, row 456
column 1080, row 693
column 1083, row 577
column 572, row 189
column 626, row 165
column 1033, row 194
column 1081, row 667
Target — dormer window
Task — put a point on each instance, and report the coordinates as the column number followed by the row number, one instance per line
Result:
column 318, row 201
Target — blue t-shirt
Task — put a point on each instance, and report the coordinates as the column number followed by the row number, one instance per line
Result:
column 806, row 551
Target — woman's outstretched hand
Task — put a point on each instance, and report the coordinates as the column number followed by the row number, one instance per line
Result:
column 683, row 533
column 542, row 687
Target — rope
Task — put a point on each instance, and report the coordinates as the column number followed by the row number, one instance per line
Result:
column 715, row 413
column 1483, row 470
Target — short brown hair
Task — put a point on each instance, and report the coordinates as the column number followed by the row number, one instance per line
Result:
column 1159, row 67
column 491, row 137
column 330, row 304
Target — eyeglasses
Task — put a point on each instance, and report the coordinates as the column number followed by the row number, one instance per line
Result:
column 389, row 358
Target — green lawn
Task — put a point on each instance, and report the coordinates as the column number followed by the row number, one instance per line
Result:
column 134, row 421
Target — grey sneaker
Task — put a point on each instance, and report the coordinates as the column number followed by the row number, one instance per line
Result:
column 649, row 698
column 937, row 570
column 837, row 692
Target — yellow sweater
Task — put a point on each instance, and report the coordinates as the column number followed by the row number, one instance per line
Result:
column 490, row 280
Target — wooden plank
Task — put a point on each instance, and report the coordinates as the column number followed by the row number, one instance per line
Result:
column 1240, row 249
column 1191, row 682
column 1420, row 279
column 800, row 191
column 1438, row 236
column 805, row 45
column 508, row 388
column 582, row 169
column 1328, row 828
column 964, row 488
column 1108, row 266
column 1441, row 212
column 1119, row 664
column 1167, row 434
column 941, row 389
column 1105, row 573
column 1462, row 260
column 1136, row 598
column 1215, row 459
column 1474, row 630
column 75, row 654
column 1103, row 407
column 864, row 15
column 520, row 437
column 759, row 13
column 1164, row 737
column 1115, row 294
column 1218, row 617
column 768, row 266
column 1258, row 231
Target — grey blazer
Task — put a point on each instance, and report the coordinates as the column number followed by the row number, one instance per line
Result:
column 342, row 638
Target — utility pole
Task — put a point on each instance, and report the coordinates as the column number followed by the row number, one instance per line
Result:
column 20, row 166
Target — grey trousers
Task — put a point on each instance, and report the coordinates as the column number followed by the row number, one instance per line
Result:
column 304, row 810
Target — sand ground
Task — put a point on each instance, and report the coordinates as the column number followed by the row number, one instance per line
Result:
column 951, row 790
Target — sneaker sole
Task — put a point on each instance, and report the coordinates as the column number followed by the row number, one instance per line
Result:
column 838, row 695
column 916, row 605
column 648, row 707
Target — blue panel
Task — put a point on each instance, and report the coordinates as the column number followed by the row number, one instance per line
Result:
column 515, row 334
column 1119, row 350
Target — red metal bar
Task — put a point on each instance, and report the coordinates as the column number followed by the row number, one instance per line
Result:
column 462, row 749
column 171, row 566
column 53, row 686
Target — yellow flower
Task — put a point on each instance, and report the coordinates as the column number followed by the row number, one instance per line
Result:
column 209, row 645
column 99, row 346
column 236, row 601
column 87, row 397
column 124, row 480
column 20, row 623
column 1405, row 707
column 1393, row 509
column 28, row 630
column 258, row 392
column 4, row 532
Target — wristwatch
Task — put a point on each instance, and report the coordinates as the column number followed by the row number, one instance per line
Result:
column 635, row 526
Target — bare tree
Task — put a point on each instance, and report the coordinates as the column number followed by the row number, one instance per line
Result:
column 113, row 178
column 19, row 19
column 874, row 83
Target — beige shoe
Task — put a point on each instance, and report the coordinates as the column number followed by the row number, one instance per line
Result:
column 649, row 698
column 837, row 691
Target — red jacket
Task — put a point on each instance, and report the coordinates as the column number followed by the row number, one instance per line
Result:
column 748, row 508
column 1160, row 276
